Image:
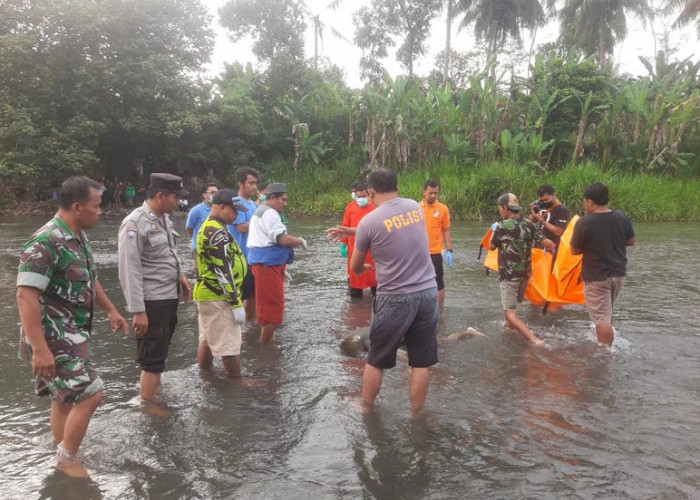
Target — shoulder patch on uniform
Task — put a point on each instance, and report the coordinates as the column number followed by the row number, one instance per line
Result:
column 131, row 234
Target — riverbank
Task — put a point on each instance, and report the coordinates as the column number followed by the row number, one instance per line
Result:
column 471, row 192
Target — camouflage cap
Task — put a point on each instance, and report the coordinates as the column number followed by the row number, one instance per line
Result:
column 510, row 201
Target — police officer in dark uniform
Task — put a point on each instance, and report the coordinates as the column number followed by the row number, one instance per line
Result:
column 151, row 276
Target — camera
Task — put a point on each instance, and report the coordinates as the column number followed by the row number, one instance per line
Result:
column 538, row 206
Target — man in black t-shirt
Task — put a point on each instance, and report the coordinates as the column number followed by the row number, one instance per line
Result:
column 602, row 237
column 550, row 212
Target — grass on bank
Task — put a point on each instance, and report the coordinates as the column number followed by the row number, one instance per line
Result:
column 471, row 192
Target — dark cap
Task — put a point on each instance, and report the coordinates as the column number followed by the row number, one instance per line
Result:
column 228, row 197
column 276, row 188
column 169, row 182
column 509, row 200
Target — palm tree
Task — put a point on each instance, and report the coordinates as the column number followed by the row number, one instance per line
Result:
column 497, row 21
column 596, row 25
column 690, row 12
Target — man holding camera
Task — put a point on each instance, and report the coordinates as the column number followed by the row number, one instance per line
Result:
column 550, row 212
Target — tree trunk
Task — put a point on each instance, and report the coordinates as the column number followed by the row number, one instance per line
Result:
column 448, row 36
column 601, row 46
column 579, row 139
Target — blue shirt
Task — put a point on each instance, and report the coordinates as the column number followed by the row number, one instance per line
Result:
column 243, row 217
column 195, row 218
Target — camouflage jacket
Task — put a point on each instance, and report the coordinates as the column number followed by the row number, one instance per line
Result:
column 60, row 265
column 221, row 265
column 514, row 239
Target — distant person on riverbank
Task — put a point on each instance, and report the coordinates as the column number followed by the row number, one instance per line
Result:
column 354, row 213
column 550, row 213
column 130, row 194
column 151, row 277
column 221, row 268
column 437, row 224
column 57, row 287
column 602, row 236
column 406, row 304
column 198, row 215
column 513, row 238
column 269, row 251
column 247, row 180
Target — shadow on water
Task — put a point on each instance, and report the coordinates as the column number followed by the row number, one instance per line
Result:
column 503, row 420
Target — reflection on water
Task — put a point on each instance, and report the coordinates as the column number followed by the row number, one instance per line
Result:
column 504, row 419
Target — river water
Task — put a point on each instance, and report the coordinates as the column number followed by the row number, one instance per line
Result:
column 504, row 419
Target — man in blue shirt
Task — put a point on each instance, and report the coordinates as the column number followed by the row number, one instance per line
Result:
column 199, row 214
column 247, row 179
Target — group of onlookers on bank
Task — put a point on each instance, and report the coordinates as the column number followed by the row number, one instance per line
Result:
column 394, row 246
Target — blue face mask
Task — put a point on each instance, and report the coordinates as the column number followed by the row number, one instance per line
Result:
column 263, row 197
column 211, row 199
column 362, row 202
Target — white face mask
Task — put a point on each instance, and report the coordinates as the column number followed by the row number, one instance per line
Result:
column 352, row 194
column 362, row 202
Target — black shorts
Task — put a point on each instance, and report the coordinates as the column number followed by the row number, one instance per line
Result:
column 248, row 286
column 412, row 317
column 152, row 348
column 439, row 272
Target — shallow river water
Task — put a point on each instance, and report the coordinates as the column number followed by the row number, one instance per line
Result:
column 504, row 419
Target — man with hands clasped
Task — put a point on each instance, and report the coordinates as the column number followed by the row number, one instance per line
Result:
column 437, row 224
column 269, row 252
column 221, row 268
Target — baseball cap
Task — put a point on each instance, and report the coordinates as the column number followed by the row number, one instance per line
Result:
column 509, row 200
column 228, row 197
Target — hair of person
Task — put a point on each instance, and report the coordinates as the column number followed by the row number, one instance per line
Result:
column 207, row 186
column 76, row 190
column 360, row 186
column 430, row 183
column 243, row 173
column 545, row 189
column 383, row 180
column 597, row 193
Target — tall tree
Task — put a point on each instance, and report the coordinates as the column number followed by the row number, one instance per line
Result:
column 690, row 11
column 374, row 41
column 497, row 21
column 596, row 26
column 277, row 26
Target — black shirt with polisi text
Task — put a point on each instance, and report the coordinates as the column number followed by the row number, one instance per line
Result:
column 603, row 239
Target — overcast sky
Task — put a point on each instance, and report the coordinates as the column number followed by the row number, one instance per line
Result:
column 639, row 42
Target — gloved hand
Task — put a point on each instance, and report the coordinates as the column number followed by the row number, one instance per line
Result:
column 448, row 258
column 304, row 245
column 287, row 278
column 239, row 315
column 343, row 250
column 494, row 226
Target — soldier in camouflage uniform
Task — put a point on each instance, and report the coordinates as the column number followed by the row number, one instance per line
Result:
column 514, row 238
column 221, row 268
column 57, row 288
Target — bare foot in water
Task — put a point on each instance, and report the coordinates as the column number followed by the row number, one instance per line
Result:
column 153, row 409
column 537, row 341
column 69, row 464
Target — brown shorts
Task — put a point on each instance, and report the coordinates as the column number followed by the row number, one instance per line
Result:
column 512, row 293
column 600, row 296
column 269, row 293
column 217, row 328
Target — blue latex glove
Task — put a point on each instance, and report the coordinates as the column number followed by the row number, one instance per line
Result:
column 448, row 258
column 343, row 250
column 494, row 226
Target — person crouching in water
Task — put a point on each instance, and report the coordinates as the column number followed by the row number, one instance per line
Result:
column 221, row 268
column 514, row 238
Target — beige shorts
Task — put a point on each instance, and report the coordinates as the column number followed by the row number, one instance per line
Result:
column 512, row 293
column 217, row 328
column 600, row 296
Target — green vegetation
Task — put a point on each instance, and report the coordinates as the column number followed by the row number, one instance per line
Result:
column 471, row 193
column 116, row 90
